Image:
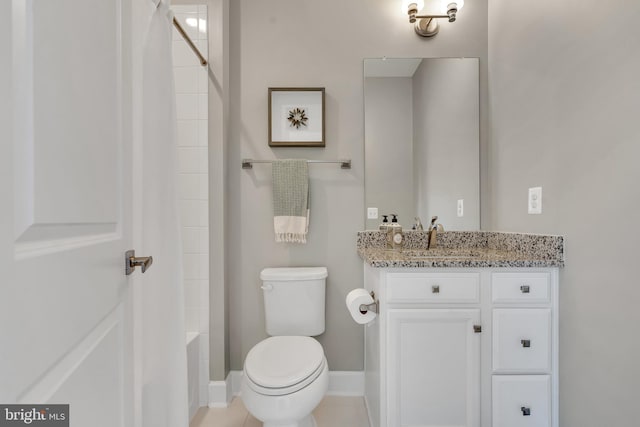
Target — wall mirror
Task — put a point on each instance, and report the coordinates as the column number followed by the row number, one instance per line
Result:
column 422, row 140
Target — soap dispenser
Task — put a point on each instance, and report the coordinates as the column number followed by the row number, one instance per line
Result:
column 394, row 233
column 385, row 223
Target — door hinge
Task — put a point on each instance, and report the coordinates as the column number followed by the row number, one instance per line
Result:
column 477, row 329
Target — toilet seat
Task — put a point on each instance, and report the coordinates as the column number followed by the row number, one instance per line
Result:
column 283, row 365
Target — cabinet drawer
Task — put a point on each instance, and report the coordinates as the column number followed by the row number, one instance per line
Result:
column 520, row 287
column 433, row 288
column 521, row 401
column 522, row 340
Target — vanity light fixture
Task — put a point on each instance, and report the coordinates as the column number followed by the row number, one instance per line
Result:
column 427, row 25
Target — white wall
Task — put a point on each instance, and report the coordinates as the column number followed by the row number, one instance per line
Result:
column 312, row 43
column 565, row 103
column 191, row 85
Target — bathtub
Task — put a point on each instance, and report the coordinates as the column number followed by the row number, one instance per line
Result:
column 193, row 371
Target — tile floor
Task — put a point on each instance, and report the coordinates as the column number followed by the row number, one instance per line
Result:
column 333, row 411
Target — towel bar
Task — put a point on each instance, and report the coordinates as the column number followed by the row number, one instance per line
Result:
column 344, row 164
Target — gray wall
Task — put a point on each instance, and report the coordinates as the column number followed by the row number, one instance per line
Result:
column 446, row 130
column 313, row 43
column 388, row 129
column 565, row 104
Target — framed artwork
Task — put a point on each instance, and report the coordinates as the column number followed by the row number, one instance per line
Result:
column 296, row 117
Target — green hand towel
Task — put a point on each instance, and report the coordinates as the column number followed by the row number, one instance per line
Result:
column 290, row 200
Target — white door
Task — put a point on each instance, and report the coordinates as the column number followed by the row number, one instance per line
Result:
column 434, row 368
column 65, row 307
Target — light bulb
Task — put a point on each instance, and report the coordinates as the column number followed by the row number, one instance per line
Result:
column 444, row 5
column 405, row 5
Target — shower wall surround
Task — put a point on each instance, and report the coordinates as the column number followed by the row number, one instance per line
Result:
column 191, row 87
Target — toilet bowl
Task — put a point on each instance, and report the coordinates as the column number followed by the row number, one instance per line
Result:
column 285, row 378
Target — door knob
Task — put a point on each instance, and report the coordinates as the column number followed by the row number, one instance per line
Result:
column 131, row 261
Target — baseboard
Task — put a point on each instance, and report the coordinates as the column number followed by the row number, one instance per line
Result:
column 341, row 383
column 220, row 393
column 236, row 379
column 346, row 383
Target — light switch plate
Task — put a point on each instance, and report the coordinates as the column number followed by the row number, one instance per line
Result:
column 372, row 213
column 535, row 200
column 460, row 208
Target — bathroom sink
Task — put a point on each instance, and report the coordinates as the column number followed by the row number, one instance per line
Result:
column 437, row 253
column 429, row 257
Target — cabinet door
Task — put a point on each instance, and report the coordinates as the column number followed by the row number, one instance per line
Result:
column 434, row 368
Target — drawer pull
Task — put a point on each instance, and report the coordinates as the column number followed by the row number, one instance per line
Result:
column 435, row 289
column 525, row 343
column 525, row 411
column 524, row 289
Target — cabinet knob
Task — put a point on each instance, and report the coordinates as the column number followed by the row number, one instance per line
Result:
column 525, row 411
column 525, row 343
column 524, row 289
column 435, row 289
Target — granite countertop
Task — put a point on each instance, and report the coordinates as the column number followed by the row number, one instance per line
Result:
column 467, row 249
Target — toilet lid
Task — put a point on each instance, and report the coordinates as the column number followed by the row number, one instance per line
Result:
column 284, row 361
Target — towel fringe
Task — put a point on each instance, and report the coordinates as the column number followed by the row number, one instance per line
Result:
column 291, row 238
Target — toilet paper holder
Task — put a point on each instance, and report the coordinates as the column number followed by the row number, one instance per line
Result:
column 374, row 306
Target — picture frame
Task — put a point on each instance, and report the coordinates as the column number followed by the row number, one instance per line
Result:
column 296, row 117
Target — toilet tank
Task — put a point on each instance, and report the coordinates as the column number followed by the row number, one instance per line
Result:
column 294, row 300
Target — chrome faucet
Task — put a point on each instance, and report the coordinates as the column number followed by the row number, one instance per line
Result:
column 432, row 239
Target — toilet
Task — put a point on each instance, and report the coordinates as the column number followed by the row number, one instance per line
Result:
column 286, row 375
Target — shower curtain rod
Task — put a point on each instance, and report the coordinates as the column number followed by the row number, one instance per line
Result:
column 189, row 41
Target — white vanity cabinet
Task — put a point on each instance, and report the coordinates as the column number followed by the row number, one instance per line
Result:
column 462, row 347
